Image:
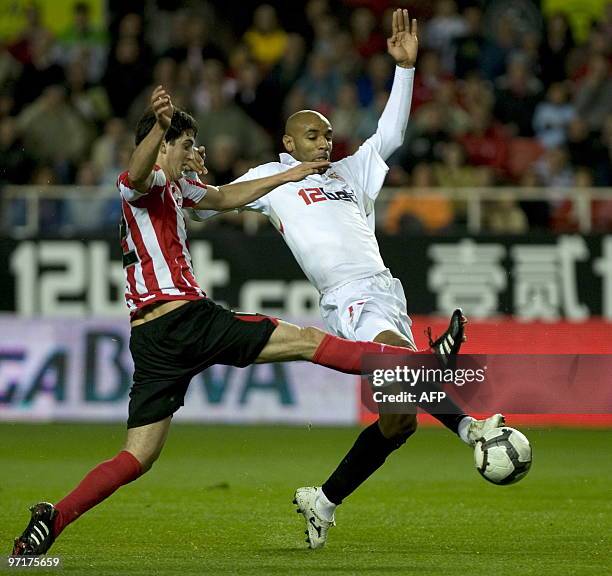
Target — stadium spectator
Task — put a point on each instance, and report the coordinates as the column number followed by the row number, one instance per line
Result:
column 225, row 117
column 486, row 143
column 552, row 117
column 165, row 73
column 500, row 44
column 289, row 67
column 266, row 38
column 85, row 43
column 346, row 118
column 51, row 113
column 594, row 93
column 193, row 44
column 517, row 93
column 468, row 46
column 557, row 44
column 39, row 71
column 377, row 77
column 505, row 216
column 442, row 30
column 367, row 38
column 22, row 47
column 89, row 100
column 106, row 150
column 16, row 164
column 456, row 119
column 324, row 32
column 127, row 72
column 212, row 76
column 429, row 77
column 580, row 143
column 221, row 158
column 452, row 171
column 422, row 210
column 554, row 170
column 10, row 70
column 257, row 99
column 320, row 84
column 425, row 137
column 474, row 93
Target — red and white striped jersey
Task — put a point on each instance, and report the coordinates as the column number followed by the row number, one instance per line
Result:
column 156, row 257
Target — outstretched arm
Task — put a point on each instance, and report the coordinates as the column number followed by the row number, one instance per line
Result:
column 140, row 169
column 403, row 47
column 239, row 194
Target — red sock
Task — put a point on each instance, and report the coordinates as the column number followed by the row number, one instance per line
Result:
column 345, row 355
column 99, row 484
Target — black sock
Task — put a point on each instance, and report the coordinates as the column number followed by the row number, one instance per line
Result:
column 365, row 457
column 447, row 411
column 451, row 421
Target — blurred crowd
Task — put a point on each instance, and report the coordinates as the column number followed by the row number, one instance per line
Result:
column 501, row 97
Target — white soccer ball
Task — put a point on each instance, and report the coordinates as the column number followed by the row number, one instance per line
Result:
column 503, row 455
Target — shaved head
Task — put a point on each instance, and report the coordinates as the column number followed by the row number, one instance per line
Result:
column 297, row 123
column 308, row 136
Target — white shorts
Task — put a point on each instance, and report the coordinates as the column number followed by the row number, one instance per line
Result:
column 362, row 309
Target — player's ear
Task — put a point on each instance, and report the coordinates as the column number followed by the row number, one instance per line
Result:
column 288, row 143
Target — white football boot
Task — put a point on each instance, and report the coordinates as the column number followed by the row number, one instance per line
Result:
column 478, row 428
column 316, row 526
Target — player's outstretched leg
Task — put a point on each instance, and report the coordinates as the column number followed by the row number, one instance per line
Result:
column 143, row 446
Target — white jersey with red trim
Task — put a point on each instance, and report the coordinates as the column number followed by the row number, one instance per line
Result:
column 327, row 220
column 156, row 255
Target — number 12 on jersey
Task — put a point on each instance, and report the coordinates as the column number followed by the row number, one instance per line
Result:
column 312, row 195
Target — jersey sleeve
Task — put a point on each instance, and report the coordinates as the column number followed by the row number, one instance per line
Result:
column 261, row 204
column 193, row 191
column 133, row 196
column 365, row 170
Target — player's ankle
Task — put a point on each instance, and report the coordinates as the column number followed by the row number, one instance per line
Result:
column 324, row 507
column 464, row 428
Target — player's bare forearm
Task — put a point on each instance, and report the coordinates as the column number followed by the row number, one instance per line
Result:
column 143, row 158
column 240, row 194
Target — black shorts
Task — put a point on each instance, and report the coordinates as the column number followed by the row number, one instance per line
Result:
column 170, row 350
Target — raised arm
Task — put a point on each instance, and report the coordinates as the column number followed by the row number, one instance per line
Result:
column 142, row 161
column 239, row 194
column 403, row 47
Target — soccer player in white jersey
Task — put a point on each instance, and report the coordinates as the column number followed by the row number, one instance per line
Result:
column 176, row 332
column 327, row 220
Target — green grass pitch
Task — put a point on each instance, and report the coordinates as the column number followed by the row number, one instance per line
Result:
column 219, row 502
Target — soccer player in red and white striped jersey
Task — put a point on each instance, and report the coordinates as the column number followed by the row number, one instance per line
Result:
column 176, row 331
column 153, row 235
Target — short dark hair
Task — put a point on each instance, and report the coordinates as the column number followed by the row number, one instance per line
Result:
column 181, row 122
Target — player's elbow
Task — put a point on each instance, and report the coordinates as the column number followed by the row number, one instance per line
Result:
column 224, row 203
column 137, row 181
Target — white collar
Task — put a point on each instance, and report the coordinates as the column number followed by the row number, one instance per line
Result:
column 287, row 159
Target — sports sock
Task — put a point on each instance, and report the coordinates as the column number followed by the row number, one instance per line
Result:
column 99, row 484
column 452, row 417
column 345, row 355
column 365, row 457
column 463, row 428
column 324, row 506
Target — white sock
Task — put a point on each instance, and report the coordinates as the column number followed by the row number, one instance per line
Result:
column 325, row 509
column 463, row 428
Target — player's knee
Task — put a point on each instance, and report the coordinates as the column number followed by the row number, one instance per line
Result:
column 147, row 460
column 311, row 337
column 145, row 455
